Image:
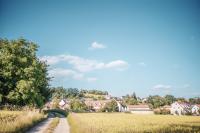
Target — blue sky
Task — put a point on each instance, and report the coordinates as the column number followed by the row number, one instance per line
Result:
column 143, row 46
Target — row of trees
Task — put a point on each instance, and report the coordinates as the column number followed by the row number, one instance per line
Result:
column 95, row 92
column 23, row 77
column 64, row 93
column 157, row 101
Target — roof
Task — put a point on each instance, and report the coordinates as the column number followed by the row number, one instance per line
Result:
column 167, row 106
column 63, row 102
column 138, row 106
column 184, row 105
column 96, row 103
column 198, row 105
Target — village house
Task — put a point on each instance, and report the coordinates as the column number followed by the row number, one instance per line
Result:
column 180, row 108
column 108, row 97
column 64, row 104
column 139, row 109
column 196, row 109
column 96, row 104
column 121, row 107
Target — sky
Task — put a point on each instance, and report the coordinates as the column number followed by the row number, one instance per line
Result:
column 121, row 46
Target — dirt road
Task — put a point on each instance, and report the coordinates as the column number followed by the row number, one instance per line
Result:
column 63, row 126
column 40, row 127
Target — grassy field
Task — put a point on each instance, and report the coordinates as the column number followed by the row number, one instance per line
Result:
column 18, row 121
column 130, row 123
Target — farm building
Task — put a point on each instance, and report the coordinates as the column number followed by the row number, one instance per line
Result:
column 180, row 108
column 196, row 109
column 96, row 104
column 64, row 104
column 139, row 109
column 121, row 106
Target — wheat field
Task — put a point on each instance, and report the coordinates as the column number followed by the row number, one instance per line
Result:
column 130, row 123
column 18, row 121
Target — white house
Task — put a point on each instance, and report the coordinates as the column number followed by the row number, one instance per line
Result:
column 121, row 107
column 64, row 104
column 180, row 108
column 140, row 109
column 196, row 109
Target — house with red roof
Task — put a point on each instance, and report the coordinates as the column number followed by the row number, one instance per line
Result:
column 196, row 109
column 140, row 109
column 180, row 108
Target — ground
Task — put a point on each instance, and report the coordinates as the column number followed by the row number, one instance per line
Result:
column 130, row 123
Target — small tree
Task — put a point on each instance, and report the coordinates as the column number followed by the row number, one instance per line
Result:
column 110, row 107
column 78, row 106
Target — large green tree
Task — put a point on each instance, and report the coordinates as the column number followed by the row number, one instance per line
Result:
column 156, row 101
column 23, row 77
column 169, row 99
column 130, row 99
column 77, row 105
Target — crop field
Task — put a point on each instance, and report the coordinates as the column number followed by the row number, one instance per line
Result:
column 130, row 123
column 18, row 121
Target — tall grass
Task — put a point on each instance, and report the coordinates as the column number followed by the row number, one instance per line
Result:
column 18, row 121
column 130, row 123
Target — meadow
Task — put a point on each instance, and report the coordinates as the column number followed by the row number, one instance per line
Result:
column 18, row 121
column 130, row 123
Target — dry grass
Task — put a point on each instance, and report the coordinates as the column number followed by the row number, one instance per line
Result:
column 18, row 121
column 130, row 123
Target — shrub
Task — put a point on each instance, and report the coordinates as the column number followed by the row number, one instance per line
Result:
column 161, row 111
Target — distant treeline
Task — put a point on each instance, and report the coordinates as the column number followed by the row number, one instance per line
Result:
column 64, row 93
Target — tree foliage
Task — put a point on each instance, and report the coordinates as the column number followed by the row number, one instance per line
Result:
column 194, row 100
column 95, row 92
column 156, row 101
column 62, row 93
column 78, row 106
column 130, row 99
column 23, row 77
column 110, row 107
column 169, row 99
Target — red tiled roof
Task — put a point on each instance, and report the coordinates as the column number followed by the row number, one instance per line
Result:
column 198, row 105
column 96, row 103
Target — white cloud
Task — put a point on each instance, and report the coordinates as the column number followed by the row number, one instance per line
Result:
column 51, row 60
column 83, row 64
column 142, row 64
column 65, row 73
column 91, row 79
column 161, row 87
column 118, row 65
column 96, row 45
column 60, row 73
